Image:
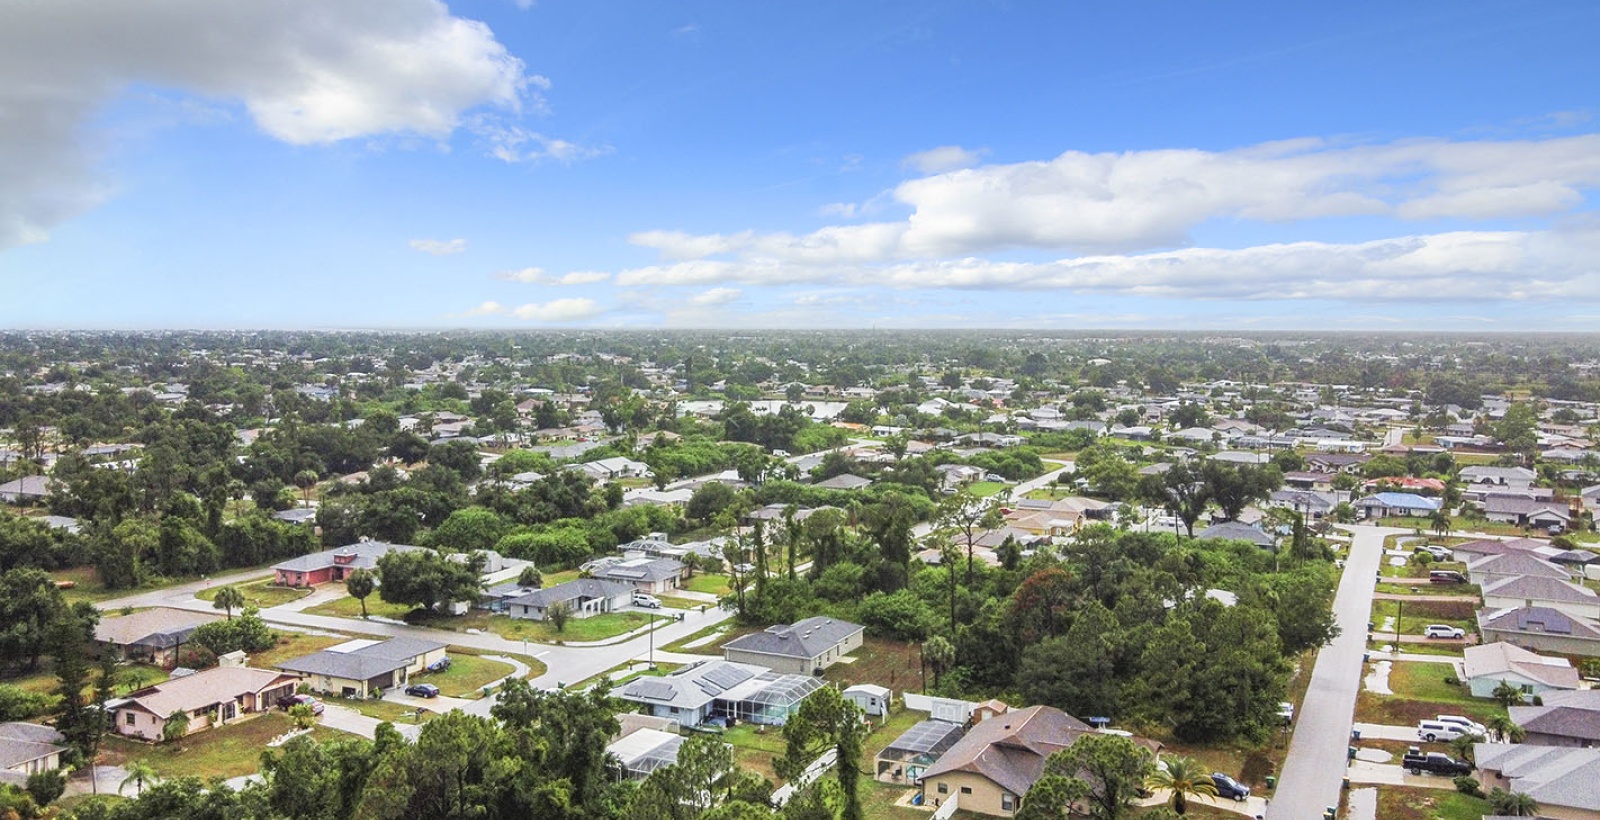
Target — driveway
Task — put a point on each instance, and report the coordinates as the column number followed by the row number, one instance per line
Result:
column 1385, row 731
column 1390, row 774
column 1312, row 773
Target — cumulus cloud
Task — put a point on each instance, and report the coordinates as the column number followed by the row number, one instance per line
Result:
column 1150, row 200
column 715, row 296
column 557, row 311
column 306, row 71
column 537, row 276
column 1461, row 265
column 439, row 247
column 942, row 159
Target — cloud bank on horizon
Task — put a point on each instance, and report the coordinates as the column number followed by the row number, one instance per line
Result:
column 400, row 124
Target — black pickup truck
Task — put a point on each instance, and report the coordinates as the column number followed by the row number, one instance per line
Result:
column 1416, row 762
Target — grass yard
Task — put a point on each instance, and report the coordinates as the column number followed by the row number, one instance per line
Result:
column 292, row 645
column 725, row 631
column 894, row 664
column 1426, row 681
column 1421, row 693
column 466, row 677
column 1428, row 649
column 1416, row 615
column 263, row 594
column 348, row 607
column 86, row 585
column 711, row 584
column 596, row 628
column 679, row 603
column 379, row 709
column 1397, row 803
column 984, row 489
column 225, row 751
column 754, row 736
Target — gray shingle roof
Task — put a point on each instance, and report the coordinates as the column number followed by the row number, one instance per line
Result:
column 1541, row 589
column 1552, row 775
column 572, row 590
column 364, row 663
column 803, row 639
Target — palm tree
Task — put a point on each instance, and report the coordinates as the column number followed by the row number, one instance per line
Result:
column 1441, row 523
column 1512, row 804
column 1507, row 694
column 228, row 599
column 1185, row 777
column 1463, row 747
column 303, row 715
column 139, row 773
column 176, row 727
column 1504, row 730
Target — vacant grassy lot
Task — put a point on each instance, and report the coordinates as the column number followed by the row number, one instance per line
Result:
column 292, row 645
column 1421, row 693
column 466, row 677
column 597, row 628
column 351, row 608
column 894, row 664
column 984, row 489
column 712, row 584
column 1397, row 803
column 263, row 594
column 226, row 751
column 1426, row 681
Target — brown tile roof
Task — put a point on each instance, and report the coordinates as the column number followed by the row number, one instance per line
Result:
column 203, row 689
column 1010, row 749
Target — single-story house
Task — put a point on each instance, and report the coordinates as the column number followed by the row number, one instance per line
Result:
column 1496, row 568
column 1315, row 505
column 1529, row 590
column 652, row 575
column 27, row 749
column 1541, row 629
column 992, row 767
column 610, row 469
column 1561, row 780
column 296, row 515
column 582, row 597
column 1526, row 512
column 30, row 489
column 1469, row 551
column 906, row 757
column 718, row 689
column 1383, row 505
column 844, row 481
column 1505, row 478
column 800, row 648
column 356, row 669
column 1485, row 667
column 335, row 564
column 1236, row 531
column 211, row 698
column 1566, row 719
column 1336, row 462
column 153, row 635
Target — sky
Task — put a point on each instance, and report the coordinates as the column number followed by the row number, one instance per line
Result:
column 341, row 164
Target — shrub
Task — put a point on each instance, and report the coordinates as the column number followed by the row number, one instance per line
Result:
column 1468, row 786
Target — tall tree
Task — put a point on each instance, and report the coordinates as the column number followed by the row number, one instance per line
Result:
column 1184, row 777
column 140, row 774
column 1103, row 772
column 826, row 720
column 360, row 584
column 228, row 599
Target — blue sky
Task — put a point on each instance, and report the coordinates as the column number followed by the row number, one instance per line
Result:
column 413, row 164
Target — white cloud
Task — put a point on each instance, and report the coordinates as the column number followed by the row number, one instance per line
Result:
column 1457, row 266
column 537, row 276
column 715, row 296
column 942, row 159
column 1148, row 200
column 307, row 71
column 513, row 143
column 439, row 247
column 557, row 311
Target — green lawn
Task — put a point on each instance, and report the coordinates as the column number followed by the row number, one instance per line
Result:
column 348, row 607
column 1425, row 681
column 1396, row 803
column 292, row 645
column 680, row 603
column 380, row 709
column 466, row 677
column 727, row 630
column 596, row 628
column 225, row 751
column 752, row 736
column 711, row 584
column 263, row 594
column 984, row 489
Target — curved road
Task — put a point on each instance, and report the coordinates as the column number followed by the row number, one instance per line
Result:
column 1312, row 773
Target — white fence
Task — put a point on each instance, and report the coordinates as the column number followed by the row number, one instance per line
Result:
column 946, row 809
column 946, row 709
column 812, row 772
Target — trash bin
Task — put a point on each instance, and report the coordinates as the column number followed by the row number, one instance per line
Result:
column 1355, row 734
column 1347, row 784
column 1352, row 754
column 1272, row 782
column 1366, row 656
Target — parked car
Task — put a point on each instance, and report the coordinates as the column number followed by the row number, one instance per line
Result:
column 1446, row 576
column 646, row 601
column 439, row 665
column 1416, row 762
column 1471, row 726
column 1228, row 787
column 1433, row 730
column 1444, row 631
column 1437, row 552
column 295, row 700
column 422, row 690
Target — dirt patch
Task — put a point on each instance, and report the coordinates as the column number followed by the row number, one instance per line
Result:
column 895, row 664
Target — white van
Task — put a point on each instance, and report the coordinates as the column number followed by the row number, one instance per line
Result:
column 1468, row 725
column 1432, row 730
column 645, row 600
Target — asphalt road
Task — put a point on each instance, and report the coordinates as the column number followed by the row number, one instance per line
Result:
column 1311, row 776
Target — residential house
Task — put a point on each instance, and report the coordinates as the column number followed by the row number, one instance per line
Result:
column 1496, row 568
column 1561, row 780
column 1314, row 505
column 1383, row 505
column 582, row 598
column 611, row 469
column 214, row 697
column 1486, row 479
column 360, row 668
column 1528, row 590
column 28, row 749
column 1526, row 512
column 844, row 481
column 1566, row 719
column 991, row 768
column 1485, row 667
column 335, row 564
column 801, row 648
column 1336, row 462
column 1236, row 531
column 152, row 635
column 30, row 489
column 1405, row 483
column 1469, row 551
column 721, row 690
column 1541, row 629
column 651, row 575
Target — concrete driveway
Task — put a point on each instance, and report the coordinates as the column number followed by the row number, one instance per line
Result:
column 1384, row 731
column 1391, row 774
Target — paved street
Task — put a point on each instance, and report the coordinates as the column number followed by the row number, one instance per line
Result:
column 1312, row 773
